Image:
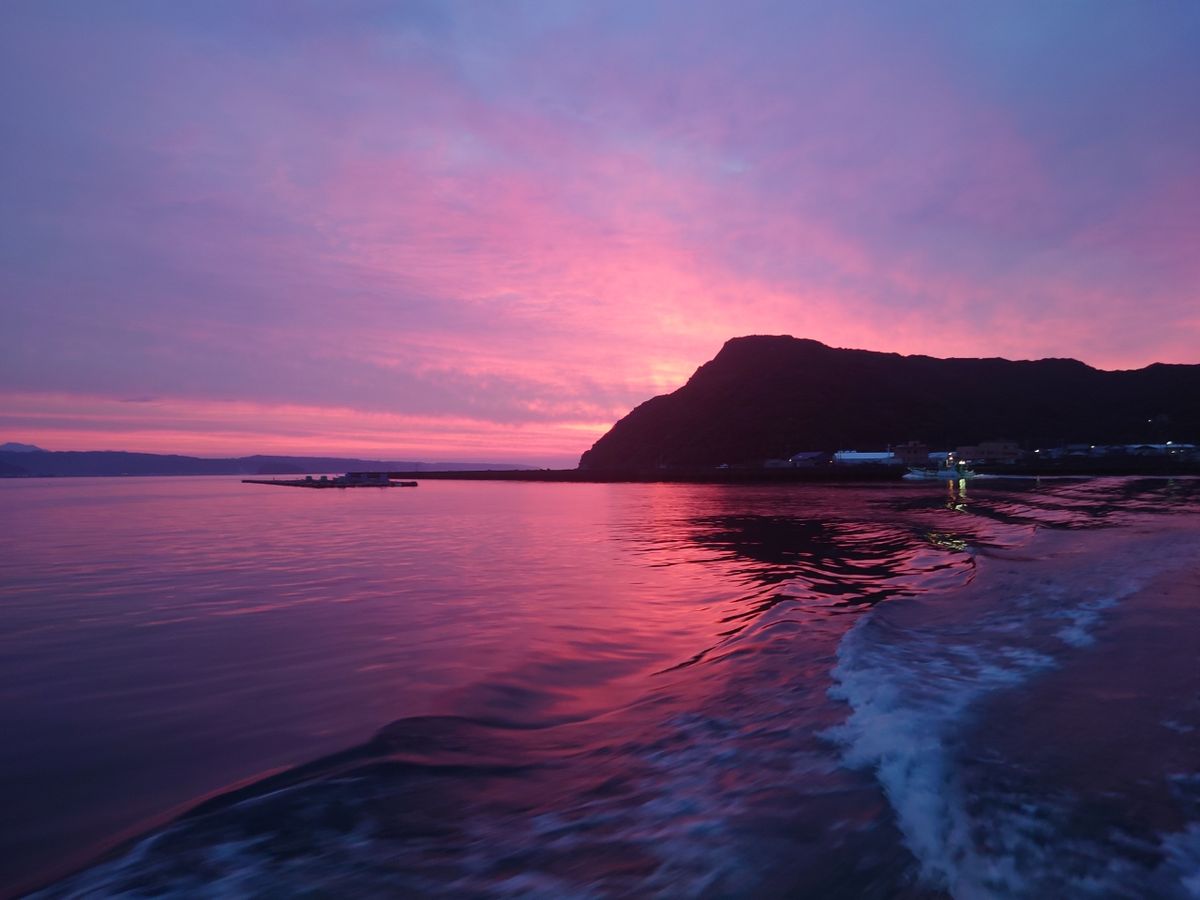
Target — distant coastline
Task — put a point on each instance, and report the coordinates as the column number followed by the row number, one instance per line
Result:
column 38, row 463
column 687, row 474
column 821, row 475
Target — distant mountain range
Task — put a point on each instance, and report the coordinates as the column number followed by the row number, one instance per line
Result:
column 773, row 396
column 26, row 460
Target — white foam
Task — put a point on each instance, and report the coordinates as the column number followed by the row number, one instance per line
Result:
column 911, row 686
column 905, row 702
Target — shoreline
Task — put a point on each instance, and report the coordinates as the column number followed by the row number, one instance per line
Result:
column 690, row 475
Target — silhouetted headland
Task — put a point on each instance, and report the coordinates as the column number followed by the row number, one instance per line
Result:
column 767, row 399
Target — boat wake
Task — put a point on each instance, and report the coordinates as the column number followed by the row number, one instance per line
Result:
column 923, row 685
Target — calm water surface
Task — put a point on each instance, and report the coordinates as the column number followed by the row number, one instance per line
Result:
column 498, row 689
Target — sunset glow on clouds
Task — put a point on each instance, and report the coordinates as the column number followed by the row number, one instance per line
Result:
column 488, row 230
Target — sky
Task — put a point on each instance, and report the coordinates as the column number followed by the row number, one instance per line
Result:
column 487, row 230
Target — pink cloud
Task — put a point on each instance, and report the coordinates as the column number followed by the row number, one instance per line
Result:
column 532, row 224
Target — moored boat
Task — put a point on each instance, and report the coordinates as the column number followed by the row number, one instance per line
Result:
column 940, row 473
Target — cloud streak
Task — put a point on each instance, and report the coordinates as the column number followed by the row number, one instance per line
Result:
column 501, row 227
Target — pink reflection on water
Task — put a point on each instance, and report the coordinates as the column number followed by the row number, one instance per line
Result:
column 185, row 634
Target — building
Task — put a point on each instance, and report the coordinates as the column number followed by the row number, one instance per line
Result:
column 912, row 453
column 855, row 458
column 1003, row 453
column 808, row 458
column 1170, row 448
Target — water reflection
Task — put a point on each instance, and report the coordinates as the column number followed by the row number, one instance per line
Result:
column 649, row 663
column 956, row 495
column 1058, row 503
column 947, row 541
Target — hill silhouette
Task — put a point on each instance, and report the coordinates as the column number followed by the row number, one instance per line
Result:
column 772, row 396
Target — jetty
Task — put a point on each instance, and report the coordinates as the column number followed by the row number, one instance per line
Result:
column 349, row 480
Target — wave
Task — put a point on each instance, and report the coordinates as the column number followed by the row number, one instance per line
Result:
column 720, row 779
column 919, row 680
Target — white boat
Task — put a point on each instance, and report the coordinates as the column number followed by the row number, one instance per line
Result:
column 941, row 473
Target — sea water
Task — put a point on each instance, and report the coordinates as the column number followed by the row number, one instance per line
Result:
column 499, row 689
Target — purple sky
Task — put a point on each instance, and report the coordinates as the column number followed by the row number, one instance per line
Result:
column 487, row 230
